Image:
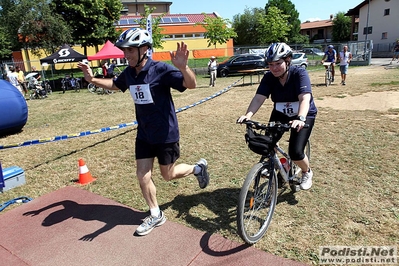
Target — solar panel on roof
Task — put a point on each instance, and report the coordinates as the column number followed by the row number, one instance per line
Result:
column 166, row 20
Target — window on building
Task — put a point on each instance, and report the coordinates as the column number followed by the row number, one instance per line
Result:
column 134, row 21
column 384, row 35
column 320, row 34
column 386, row 12
column 123, row 22
column 369, row 31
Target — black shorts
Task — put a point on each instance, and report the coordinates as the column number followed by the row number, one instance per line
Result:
column 297, row 140
column 166, row 153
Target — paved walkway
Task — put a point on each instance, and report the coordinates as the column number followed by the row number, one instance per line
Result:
column 72, row 226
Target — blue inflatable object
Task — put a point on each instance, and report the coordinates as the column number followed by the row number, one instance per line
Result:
column 13, row 109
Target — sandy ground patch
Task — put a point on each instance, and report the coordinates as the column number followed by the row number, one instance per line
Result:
column 380, row 101
column 367, row 88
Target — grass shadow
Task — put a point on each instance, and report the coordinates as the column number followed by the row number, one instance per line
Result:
column 221, row 202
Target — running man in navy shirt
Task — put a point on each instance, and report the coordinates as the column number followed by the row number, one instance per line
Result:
column 149, row 83
column 331, row 55
column 290, row 90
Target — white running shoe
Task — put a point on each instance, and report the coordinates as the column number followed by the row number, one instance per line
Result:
column 150, row 223
column 306, row 181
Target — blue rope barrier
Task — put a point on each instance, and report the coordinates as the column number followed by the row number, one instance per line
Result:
column 16, row 200
column 106, row 129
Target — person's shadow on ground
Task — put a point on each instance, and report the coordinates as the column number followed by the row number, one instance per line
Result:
column 111, row 215
column 221, row 202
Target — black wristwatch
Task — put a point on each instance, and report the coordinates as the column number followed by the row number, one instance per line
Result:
column 302, row 118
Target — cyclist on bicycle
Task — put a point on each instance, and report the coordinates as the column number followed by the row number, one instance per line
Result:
column 290, row 90
column 331, row 55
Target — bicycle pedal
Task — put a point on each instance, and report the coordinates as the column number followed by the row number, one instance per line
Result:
column 295, row 186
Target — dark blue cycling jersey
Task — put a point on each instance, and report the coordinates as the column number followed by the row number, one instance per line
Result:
column 285, row 98
column 331, row 55
column 155, row 110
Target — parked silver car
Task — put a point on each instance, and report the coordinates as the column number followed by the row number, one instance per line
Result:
column 299, row 59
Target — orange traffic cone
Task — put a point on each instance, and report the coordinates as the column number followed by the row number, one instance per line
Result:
column 84, row 174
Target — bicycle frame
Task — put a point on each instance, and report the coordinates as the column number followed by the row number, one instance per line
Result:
column 288, row 176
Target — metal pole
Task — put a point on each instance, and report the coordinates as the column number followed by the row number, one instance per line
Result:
column 367, row 27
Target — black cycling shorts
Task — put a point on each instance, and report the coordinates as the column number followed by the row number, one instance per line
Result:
column 166, row 153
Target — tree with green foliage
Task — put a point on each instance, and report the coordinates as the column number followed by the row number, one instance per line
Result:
column 92, row 22
column 33, row 24
column 341, row 30
column 273, row 27
column 288, row 8
column 217, row 30
column 5, row 44
column 157, row 36
column 245, row 26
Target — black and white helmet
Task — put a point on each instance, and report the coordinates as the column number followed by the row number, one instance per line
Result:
column 278, row 51
column 134, row 37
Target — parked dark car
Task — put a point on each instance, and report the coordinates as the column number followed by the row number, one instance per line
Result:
column 240, row 62
column 313, row 51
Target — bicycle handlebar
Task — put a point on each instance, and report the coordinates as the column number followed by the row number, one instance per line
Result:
column 270, row 125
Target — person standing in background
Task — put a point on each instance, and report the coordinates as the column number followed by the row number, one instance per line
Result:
column 21, row 79
column 212, row 66
column 395, row 52
column 12, row 77
column 111, row 69
column 345, row 58
column 37, row 76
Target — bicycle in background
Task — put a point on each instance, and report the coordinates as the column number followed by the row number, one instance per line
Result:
column 258, row 196
column 328, row 74
column 70, row 83
column 98, row 90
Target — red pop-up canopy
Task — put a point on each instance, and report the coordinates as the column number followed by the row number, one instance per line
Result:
column 108, row 51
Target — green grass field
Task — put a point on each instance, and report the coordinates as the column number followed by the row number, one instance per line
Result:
column 354, row 200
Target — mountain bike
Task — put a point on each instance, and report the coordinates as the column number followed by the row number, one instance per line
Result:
column 69, row 83
column 98, row 90
column 328, row 75
column 258, row 196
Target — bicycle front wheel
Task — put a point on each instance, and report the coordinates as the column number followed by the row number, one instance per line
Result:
column 91, row 87
column 327, row 78
column 256, row 203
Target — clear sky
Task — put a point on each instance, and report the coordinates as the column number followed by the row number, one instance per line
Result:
column 308, row 9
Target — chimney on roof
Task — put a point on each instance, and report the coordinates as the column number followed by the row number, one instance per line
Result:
column 331, row 17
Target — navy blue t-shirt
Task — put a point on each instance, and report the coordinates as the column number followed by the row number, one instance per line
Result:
column 151, row 92
column 285, row 97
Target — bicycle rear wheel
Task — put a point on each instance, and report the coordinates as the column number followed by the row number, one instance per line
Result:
column 77, row 86
column 257, row 201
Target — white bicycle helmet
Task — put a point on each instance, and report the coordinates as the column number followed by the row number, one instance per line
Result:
column 134, row 37
column 278, row 51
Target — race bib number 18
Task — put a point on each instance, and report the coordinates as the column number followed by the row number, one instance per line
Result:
column 141, row 94
column 289, row 109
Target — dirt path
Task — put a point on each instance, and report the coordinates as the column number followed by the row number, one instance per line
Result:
column 358, row 94
column 380, row 101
